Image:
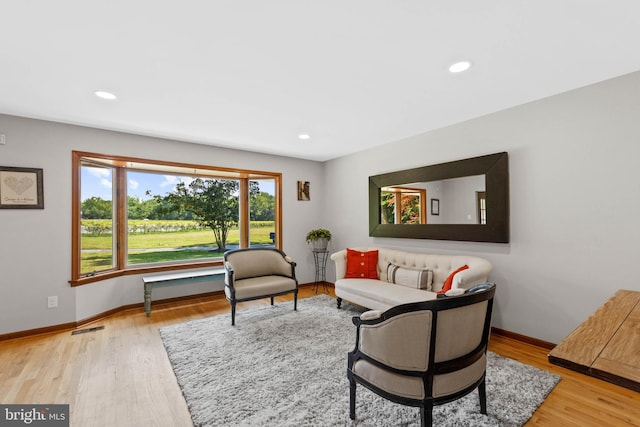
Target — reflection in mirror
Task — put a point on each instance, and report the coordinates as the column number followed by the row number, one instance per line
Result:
column 468, row 200
column 403, row 205
column 459, row 201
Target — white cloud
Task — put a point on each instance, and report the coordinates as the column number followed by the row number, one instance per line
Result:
column 173, row 180
column 133, row 184
column 106, row 183
column 98, row 172
column 169, row 180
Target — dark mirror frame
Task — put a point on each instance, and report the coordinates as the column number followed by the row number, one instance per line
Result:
column 495, row 168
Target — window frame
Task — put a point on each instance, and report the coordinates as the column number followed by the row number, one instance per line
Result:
column 121, row 164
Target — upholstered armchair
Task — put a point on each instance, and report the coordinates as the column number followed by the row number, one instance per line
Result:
column 425, row 353
column 256, row 273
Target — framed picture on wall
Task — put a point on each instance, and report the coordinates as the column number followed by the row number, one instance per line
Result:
column 435, row 206
column 21, row 188
column 303, row 190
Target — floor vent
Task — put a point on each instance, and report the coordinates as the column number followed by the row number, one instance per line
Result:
column 82, row 331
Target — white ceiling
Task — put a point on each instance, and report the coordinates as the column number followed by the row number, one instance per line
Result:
column 254, row 74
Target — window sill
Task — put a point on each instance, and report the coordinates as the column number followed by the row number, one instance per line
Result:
column 84, row 280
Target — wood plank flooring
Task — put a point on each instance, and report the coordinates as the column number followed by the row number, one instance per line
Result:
column 120, row 376
column 607, row 344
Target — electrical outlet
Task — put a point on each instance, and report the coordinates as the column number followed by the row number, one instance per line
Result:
column 52, row 302
column 3, row 139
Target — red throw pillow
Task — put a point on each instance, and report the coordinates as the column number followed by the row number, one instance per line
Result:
column 362, row 265
column 449, row 281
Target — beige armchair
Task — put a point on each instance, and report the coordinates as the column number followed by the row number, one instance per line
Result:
column 256, row 273
column 425, row 353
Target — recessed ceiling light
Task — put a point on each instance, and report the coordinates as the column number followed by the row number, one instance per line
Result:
column 304, row 136
column 104, row 95
column 459, row 67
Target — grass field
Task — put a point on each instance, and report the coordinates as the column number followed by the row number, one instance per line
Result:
column 162, row 246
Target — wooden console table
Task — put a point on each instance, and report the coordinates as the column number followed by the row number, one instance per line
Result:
column 177, row 278
column 607, row 344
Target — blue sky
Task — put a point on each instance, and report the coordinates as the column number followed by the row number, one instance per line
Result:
column 98, row 182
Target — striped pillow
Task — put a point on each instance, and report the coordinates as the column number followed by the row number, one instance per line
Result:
column 412, row 277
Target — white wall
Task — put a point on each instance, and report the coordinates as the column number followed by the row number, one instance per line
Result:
column 35, row 245
column 574, row 190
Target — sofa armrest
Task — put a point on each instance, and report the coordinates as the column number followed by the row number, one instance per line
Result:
column 476, row 273
column 293, row 264
column 371, row 315
column 340, row 258
column 228, row 274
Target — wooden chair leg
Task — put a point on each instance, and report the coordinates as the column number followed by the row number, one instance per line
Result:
column 295, row 301
column 233, row 313
column 482, row 394
column 426, row 414
column 339, row 301
column 352, row 399
column 271, row 300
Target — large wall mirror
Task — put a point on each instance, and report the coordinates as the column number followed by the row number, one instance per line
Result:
column 465, row 200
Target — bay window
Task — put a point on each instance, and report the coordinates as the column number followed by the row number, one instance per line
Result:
column 132, row 215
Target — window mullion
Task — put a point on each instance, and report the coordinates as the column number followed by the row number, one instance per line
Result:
column 423, row 206
column 397, row 200
column 244, row 219
column 121, row 218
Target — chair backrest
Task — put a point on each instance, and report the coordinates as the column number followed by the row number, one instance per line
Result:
column 427, row 335
column 461, row 330
column 256, row 262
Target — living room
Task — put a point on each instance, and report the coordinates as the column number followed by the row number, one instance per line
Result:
column 573, row 184
column 567, row 153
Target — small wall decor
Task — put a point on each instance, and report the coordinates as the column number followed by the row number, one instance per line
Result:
column 303, row 190
column 21, row 188
column 435, row 206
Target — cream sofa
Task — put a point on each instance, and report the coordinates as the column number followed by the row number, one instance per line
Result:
column 380, row 294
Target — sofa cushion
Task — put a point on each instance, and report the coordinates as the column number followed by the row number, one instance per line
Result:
column 388, row 295
column 449, row 281
column 363, row 265
column 412, row 277
column 264, row 285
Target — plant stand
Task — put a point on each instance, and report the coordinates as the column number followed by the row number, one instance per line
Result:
column 320, row 257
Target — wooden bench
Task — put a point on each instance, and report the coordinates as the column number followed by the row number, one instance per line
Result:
column 177, row 278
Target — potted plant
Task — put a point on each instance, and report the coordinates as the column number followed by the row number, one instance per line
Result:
column 319, row 239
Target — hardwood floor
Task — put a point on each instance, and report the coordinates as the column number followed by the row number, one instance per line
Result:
column 120, row 376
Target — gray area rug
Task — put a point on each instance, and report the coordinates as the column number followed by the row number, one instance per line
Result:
column 279, row 367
